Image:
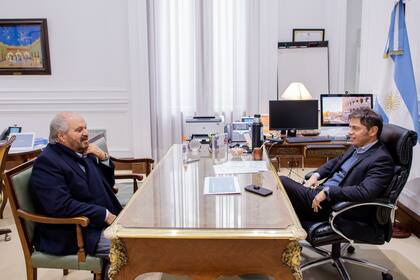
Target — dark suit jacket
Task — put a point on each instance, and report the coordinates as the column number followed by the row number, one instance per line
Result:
column 367, row 179
column 60, row 188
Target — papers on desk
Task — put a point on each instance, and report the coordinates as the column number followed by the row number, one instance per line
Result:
column 221, row 185
column 240, row 167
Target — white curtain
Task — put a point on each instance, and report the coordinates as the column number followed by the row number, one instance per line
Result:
column 203, row 61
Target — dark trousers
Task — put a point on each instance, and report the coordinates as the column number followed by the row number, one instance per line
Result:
column 302, row 197
column 102, row 251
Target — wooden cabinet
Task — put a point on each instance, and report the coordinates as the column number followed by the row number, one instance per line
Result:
column 304, row 154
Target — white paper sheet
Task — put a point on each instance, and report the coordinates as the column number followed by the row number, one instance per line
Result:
column 221, row 185
column 238, row 167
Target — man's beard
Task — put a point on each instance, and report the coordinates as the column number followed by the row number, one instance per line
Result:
column 83, row 144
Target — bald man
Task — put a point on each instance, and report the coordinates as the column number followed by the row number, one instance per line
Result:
column 73, row 178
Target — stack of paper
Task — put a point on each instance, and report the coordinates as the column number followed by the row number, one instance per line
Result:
column 238, row 167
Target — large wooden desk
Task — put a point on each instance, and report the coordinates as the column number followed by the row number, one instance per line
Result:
column 170, row 226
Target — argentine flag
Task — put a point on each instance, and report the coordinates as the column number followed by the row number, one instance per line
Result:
column 397, row 97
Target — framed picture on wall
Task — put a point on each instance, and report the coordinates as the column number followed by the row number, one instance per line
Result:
column 24, row 47
column 306, row 35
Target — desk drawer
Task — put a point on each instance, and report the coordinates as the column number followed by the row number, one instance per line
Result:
column 329, row 153
column 286, row 151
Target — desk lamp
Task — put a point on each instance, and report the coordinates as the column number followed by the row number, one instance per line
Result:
column 295, row 91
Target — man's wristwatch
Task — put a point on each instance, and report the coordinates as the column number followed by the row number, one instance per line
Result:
column 327, row 192
column 106, row 157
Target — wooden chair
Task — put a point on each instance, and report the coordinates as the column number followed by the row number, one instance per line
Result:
column 12, row 160
column 4, row 149
column 17, row 188
column 145, row 167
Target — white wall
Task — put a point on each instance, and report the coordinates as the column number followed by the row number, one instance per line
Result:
column 98, row 52
column 352, row 57
column 327, row 14
column 278, row 18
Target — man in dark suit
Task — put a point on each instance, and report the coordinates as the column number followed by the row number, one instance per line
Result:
column 73, row 178
column 361, row 174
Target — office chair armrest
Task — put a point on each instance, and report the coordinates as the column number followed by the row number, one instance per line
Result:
column 80, row 221
column 342, row 207
column 135, row 176
column 347, row 205
column 308, row 175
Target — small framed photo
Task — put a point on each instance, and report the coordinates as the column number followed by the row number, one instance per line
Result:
column 306, row 35
column 24, row 47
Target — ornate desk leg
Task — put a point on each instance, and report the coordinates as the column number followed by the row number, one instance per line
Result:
column 117, row 256
column 291, row 258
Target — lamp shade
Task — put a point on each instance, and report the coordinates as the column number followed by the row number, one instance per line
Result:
column 296, row 91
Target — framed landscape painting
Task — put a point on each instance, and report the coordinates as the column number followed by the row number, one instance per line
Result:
column 24, row 47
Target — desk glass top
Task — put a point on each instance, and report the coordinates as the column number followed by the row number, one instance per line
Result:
column 171, row 198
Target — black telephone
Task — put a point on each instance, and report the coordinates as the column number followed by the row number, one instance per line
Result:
column 258, row 190
column 10, row 129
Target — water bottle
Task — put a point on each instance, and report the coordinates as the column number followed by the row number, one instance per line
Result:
column 257, row 132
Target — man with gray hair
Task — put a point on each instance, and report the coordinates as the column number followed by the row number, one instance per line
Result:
column 71, row 178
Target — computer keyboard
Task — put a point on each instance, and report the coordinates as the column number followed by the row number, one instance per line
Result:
column 275, row 140
column 306, row 139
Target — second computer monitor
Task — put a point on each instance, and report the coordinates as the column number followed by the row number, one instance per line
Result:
column 336, row 108
column 293, row 114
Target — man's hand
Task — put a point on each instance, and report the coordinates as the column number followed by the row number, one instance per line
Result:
column 94, row 150
column 111, row 217
column 316, row 203
column 312, row 182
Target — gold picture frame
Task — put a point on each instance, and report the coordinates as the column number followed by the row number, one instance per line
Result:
column 308, row 35
column 24, row 47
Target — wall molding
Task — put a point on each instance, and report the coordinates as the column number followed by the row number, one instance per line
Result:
column 52, row 90
column 62, row 100
column 31, row 105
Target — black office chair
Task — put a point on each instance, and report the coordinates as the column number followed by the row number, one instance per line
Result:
column 339, row 229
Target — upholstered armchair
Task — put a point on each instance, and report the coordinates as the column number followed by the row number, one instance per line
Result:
column 21, row 204
column 340, row 230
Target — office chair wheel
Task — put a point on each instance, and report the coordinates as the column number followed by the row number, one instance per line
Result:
column 350, row 249
column 387, row 276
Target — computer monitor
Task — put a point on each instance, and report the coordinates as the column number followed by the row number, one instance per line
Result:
column 293, row 114
column 335, row 108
